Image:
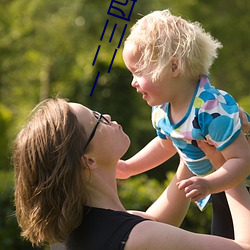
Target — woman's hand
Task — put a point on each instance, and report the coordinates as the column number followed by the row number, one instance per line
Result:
column 245, row 124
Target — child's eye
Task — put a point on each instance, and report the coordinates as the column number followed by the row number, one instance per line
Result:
column 137, row 74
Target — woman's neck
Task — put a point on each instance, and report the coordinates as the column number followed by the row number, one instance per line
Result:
column 102, row 189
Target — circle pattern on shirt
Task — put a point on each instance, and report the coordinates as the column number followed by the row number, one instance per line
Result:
column 226, row 125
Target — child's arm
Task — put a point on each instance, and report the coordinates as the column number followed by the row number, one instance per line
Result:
column 234, row 171
column 153, row 154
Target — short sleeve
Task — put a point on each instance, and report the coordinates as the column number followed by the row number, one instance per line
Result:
column 219, row 120
column 159, row 121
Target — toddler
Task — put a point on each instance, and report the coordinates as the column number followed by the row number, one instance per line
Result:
column 170, row 59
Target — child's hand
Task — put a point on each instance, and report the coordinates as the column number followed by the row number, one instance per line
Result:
column 122, row 170
column 194, row 187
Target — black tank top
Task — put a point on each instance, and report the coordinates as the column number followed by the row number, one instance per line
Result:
column 102, row 229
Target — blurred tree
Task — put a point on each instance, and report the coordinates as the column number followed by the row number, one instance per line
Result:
column 5, row 123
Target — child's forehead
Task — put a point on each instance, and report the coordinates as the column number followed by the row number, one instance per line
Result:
column 132, row 52
column 132, row 48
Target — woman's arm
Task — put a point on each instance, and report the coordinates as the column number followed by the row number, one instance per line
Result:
column 171, row 207
column 160, row 236
column 239, row 203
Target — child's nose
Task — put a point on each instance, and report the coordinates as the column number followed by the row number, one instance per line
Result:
column 134, row 83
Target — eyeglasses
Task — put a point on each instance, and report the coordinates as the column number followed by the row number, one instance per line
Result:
column 100, row 118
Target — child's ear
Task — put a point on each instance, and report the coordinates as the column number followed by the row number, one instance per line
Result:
column 175, row 66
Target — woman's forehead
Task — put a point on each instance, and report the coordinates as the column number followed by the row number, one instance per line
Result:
column 84, row 115
column 78, row 108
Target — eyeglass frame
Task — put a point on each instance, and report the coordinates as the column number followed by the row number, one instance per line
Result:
column 100, row 118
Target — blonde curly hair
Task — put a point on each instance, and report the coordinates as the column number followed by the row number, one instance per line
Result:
column 161, row 36
column 49, row 181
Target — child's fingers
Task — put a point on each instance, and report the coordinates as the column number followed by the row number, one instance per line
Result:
column 184, row 183
column 194, row 195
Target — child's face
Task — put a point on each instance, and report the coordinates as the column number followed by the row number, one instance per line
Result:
column 152, row 92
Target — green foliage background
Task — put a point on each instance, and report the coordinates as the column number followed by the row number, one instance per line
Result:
column 47, row 49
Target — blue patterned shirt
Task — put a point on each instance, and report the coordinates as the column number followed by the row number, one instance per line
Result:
column 213, row 115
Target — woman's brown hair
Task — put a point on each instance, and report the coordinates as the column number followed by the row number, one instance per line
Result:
column 49, row 182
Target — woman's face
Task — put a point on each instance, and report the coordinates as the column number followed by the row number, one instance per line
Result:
column 109, row 138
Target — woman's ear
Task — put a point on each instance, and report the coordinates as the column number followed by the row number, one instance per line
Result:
column 89, row 161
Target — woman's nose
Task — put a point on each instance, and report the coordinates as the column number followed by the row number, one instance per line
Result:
column 108, row 117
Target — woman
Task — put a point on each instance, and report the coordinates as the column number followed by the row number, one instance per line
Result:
column 65, row 188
